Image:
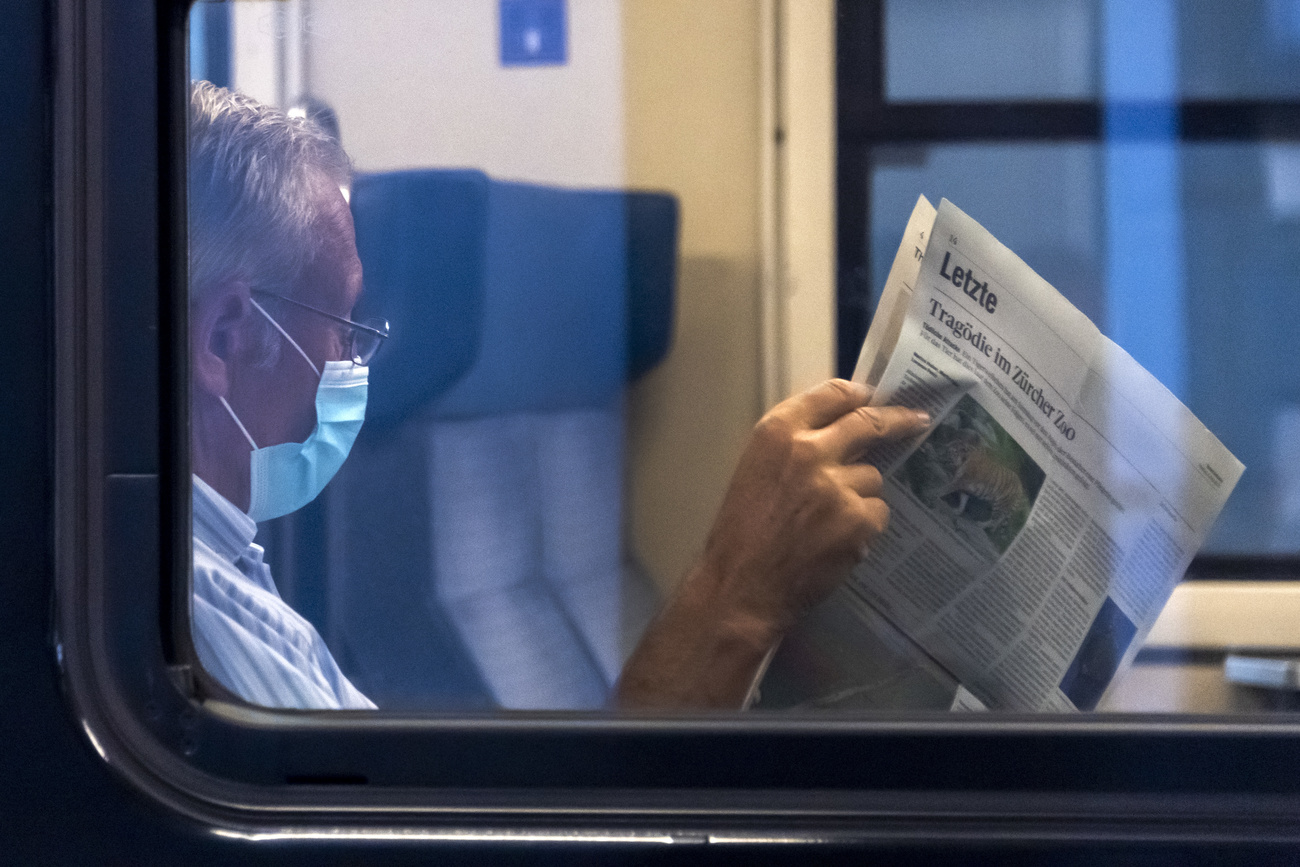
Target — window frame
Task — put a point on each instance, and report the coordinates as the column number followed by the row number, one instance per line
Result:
column 122, row 512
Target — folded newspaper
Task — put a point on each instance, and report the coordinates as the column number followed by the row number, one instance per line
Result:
column 1037, row 527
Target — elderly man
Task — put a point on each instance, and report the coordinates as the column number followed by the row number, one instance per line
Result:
column 278, row 394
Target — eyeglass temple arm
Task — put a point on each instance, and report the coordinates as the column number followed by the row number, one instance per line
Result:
column 382, row 335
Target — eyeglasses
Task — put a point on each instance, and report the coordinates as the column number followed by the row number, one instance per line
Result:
column 367, row 335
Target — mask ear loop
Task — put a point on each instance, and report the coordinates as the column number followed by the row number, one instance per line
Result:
column 242, row 429
column 286, row 336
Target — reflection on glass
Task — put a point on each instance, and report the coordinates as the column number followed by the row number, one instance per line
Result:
column 1248, row 50
column 469, row 546
column 1241, row 236
column 1243, row 243
column 1003, row 50
column 1010, row 189
column 469, row 552
column 570, row 377
column 1042, row 51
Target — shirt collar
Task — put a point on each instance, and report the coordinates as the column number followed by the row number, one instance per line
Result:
column 219, row 524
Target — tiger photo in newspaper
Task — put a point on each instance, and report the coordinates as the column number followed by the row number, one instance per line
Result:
column 974, row 477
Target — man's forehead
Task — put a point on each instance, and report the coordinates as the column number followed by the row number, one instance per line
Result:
column 334, row 275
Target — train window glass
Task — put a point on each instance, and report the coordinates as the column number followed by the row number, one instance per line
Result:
column 1142, row 162
column 1007, row 176
column 1054, row 50
column 1238, row 227
column 498, row 293
column 447, row 571
column 1166, row 145
column 469, row 553
column 1250, row 52
column 534, row 471
column 935, row 51
column 346, row 600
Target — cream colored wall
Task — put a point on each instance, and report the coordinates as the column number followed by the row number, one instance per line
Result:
column 692, row 96
column 805, row 204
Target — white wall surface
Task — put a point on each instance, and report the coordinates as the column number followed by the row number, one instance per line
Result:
column 267, row 37
column 419, row 83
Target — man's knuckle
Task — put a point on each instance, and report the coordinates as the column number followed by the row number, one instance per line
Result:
column 879, row 515
column 806, row 458
column 772, row 428
column 841, row 386
column 871, row 417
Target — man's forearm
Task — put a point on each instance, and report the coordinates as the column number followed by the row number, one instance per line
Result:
column 797, row 515
column 700, row 652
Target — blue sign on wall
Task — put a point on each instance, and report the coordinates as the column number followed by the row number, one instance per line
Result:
column 534, row 33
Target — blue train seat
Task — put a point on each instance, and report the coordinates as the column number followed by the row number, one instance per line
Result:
column 473, row 542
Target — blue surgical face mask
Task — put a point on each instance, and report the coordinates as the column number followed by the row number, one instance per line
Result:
column 286, row 477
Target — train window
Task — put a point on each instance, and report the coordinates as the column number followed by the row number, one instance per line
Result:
column 1027, row 51
column 1168, row 157
column 1110, row 95
column 498, row 536
column 472, row 552
column 1057, row 51
column 1235, row 227
column 461, row 316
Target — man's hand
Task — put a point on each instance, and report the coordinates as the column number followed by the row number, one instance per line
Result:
column 799, row 513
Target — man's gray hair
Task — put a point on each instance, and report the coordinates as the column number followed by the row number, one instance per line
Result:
column 254, row 175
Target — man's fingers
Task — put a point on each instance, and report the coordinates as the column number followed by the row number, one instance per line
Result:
column 854, row 432
column 823, row 403
column 875, row 512
column 863, row 479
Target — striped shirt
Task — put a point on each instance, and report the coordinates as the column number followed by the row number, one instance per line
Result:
column 246, row 636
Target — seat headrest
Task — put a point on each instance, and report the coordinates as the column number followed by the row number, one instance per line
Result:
column 421, row 237
column 509, row 297
column 554, row 306
column 652, row 226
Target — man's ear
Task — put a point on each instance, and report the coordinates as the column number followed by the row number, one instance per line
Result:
column 221, row 335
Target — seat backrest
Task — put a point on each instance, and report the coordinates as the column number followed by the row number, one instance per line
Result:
column 422, row 237
column 527, row 545
column 353, row 560
column 652, row 221
column 484, row 495
column 554, row 319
